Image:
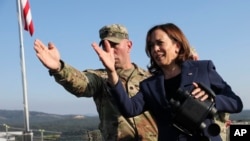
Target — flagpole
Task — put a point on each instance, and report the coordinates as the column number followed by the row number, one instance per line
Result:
column 26, row 108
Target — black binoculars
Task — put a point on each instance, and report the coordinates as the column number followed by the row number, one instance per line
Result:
column 190, row 113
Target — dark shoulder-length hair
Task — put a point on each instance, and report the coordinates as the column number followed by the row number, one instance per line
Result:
column 177, row 36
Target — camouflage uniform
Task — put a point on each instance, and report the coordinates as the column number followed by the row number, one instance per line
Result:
column 92, row 83
column 221, row 120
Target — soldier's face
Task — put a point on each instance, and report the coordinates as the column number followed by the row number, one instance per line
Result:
column 122, row 53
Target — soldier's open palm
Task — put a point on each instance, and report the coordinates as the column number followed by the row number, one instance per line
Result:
column 106, row 55
column 49, row 56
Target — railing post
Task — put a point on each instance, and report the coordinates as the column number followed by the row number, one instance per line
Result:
column 6, row 130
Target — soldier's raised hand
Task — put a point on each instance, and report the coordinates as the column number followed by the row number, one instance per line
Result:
column 49, row 56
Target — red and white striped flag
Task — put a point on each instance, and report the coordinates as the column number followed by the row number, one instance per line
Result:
column 26, row 16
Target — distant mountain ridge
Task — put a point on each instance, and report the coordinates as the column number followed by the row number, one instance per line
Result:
column 47, row 121
column 244, row 115
column 18, row 115
column 41, row 120
column 35, row 116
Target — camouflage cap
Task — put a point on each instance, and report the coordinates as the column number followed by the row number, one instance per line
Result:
column 114, row 33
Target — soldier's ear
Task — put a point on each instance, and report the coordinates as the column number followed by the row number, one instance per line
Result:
column 129, row 44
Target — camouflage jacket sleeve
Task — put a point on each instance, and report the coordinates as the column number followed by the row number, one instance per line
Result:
column 79, row 83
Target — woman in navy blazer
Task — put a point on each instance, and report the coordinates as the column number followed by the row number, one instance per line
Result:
column 172, row 68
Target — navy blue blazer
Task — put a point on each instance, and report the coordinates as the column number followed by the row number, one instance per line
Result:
column 152, row 97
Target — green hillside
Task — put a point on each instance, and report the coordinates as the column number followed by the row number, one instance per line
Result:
column 66, row 127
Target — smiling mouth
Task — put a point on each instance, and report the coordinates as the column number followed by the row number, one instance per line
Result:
column 159, row 57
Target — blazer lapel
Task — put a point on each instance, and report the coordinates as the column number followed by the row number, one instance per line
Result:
column 157, row 89
column 189, row 73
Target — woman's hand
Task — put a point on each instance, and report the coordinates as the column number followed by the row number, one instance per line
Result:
column 199, row 93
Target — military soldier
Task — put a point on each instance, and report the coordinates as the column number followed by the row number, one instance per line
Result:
column 92, row 83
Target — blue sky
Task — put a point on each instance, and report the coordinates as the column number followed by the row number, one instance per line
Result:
column 219, row 30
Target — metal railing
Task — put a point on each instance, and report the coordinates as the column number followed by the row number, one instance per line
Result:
column 9, row 133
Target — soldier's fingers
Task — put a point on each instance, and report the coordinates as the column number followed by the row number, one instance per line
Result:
column 51, row 45
column 107, row 46
column 39, row 46
column 97, row 49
